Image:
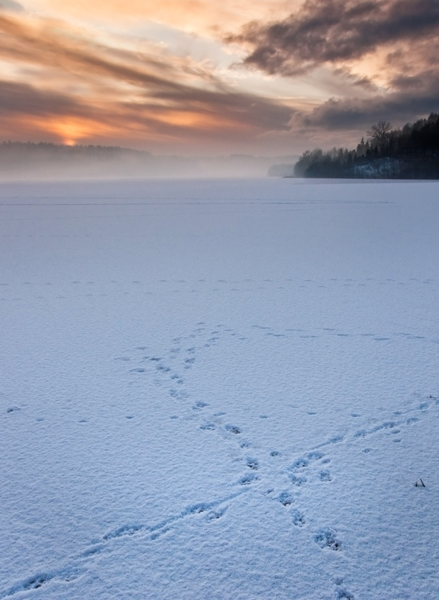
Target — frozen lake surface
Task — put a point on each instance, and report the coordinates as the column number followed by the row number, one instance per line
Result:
column 219, row 390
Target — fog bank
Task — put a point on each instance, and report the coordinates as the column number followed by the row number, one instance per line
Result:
column 50, row 161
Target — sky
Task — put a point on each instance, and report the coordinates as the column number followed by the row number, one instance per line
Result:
column 215, row 77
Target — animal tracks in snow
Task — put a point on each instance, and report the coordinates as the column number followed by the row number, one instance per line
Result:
column 327, row 538
column 268, row 472
column 211, row 510
column 78, row 564
column 168, row 369
column 63, row 575
column 266, row 466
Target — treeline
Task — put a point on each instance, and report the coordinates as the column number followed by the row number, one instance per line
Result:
column 411, row 152
column 19, row 153
column 62, row 149
column 47, row 160
column 44, row 160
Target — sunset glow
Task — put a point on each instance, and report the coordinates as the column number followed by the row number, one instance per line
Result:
column 209, row 76
column 73, row 131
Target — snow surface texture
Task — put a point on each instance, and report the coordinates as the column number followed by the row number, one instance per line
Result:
column 219, row 390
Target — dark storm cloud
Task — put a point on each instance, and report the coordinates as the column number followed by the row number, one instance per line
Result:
column 385, row 49
column 360, row 114
column 336, row 31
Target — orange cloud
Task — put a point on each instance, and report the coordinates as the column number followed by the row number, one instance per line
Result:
column 199, row 16
column 64, row 86
column 85, row 73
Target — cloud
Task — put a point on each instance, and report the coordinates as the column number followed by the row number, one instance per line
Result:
column 199, row 16
column 382, row 55
column 342, row 121
column 21, row 99
column 185, row 120
column 76, row 82
column 11, row 5
column 360, row 114
column 336, row 32
column 118, row 95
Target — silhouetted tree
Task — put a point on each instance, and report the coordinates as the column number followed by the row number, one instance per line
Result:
column 411, row 152
column 380, row 134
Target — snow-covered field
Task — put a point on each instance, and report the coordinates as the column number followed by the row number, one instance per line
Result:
column 219, row 390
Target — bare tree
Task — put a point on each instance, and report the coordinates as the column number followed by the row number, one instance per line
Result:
column 380, row 133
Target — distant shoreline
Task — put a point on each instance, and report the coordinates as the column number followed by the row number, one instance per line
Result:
column 44, row 160
column 411, row 152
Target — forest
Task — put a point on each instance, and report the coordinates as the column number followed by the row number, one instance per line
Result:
column 45, row 160
column 411, row 152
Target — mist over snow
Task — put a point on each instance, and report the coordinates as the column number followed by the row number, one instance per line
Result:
column 45, row 161
column 220, row 390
